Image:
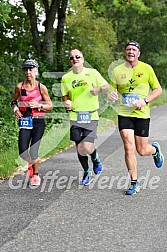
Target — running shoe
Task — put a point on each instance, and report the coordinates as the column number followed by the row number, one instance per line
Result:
column 30, row 171
column 87, row 178
column 97, row 167
column 134, row 188
column 158, row 156
column 35, row 180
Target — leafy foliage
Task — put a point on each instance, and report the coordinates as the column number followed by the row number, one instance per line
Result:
column 5, row 9
column 141, row 20
column 93, row 36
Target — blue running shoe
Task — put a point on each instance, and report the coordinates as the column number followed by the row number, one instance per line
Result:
column 97, row 167
column 134, row 188
column 87, row 178
column 158, row 156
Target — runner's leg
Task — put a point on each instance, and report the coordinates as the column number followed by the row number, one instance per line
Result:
column 127, row 136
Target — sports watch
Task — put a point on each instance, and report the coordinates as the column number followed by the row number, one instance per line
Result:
column 146, row 100
column 41, row 107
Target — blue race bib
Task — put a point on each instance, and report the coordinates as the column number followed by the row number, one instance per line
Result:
column 84, row 117
column 128, row 99
column 26, row 123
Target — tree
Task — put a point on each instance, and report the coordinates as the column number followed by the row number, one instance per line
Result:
column 141, row 20
column 44, row 44
column 60, row 35
column 93, row 35
column 5, row 9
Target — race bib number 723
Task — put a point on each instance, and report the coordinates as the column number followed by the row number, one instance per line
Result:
column 26, row 123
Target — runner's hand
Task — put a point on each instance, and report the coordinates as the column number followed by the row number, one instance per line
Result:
column 95, row 90
column 68, row 104
column 34, row 104
column 113, row 96
column 18, row 114
column 139, row 104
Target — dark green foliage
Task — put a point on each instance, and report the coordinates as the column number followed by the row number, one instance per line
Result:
column 141, row 20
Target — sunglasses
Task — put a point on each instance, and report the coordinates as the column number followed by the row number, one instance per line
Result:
column 75, row 56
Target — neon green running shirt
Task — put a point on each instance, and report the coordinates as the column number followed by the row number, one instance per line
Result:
column 77, row 87
column 133, row 84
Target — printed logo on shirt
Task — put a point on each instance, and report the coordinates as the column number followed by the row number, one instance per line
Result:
column 139, row 74
column 131, row 85
column 78, row 83
column 123, row 76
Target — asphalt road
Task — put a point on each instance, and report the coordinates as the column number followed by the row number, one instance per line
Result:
column 63, row 216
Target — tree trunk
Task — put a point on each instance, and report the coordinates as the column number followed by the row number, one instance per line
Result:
column 43, row 48
column 30, row 7
column 60, row 35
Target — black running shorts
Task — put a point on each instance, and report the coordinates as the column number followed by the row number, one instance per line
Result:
column 86, row 132
column 139, row 125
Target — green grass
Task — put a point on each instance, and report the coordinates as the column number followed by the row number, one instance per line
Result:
column 7, row 162
column 161, row 100
column 10, row 161
column 56, row 140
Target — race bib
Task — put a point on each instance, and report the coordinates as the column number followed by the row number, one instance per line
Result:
column 26, row 123
column 128, row 99
column 84, row 117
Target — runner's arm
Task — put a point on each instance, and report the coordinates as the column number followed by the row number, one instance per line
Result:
column 154, row 94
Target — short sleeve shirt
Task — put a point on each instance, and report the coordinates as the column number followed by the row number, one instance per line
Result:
column 78, row 86
column 133, row 84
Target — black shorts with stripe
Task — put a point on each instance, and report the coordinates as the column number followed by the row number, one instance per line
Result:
column 139, row 125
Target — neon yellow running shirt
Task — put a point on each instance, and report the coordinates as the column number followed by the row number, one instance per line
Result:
column 77, row 87
column 133, row 84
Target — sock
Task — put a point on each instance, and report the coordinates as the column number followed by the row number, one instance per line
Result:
column 95, row 157
column 133, row 181
column 36, row 173
column 154, row 153
column 84, row 162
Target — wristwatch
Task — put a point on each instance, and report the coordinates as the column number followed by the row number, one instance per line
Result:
column 41, row 107
column 146, row 100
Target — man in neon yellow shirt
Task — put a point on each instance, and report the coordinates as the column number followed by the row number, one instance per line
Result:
column 80, row 88
column 131, row 83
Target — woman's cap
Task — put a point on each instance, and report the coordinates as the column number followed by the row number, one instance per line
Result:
column 133, row 43
column 30, row 64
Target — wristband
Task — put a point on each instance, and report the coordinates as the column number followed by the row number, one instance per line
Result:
column 101, row 90
column 15, row 108
column 13, row 103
